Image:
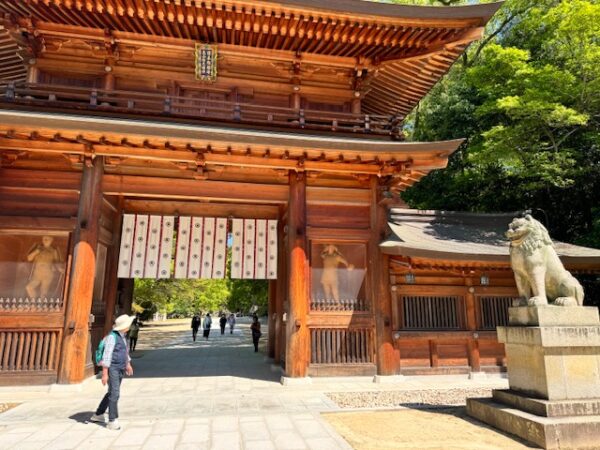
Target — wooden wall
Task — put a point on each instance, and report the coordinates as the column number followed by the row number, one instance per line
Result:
column 342, row 336
column 444, row 320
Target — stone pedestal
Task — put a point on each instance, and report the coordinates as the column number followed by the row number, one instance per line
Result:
column 553, row 359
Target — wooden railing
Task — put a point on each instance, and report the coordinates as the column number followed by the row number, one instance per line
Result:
column 493, row 311
column 26, row 351
column 341, row 346
column 341, row 305
column 428, row 312
column 14, row 304
column 50, row 95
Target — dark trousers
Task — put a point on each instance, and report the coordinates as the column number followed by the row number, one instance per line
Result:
column 206, row 332
column 255, row 342
column 222, row 329
column 194, row 333
column 132, row 343
column 111, row 399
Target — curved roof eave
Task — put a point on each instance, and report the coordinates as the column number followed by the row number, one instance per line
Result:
column 370, row 9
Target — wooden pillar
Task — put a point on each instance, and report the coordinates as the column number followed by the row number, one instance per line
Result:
column 295, row 101
column 472, row 343
column 282, row 280
column 112, row 281
column 76, row 351
column 297, row 348
column 388, row 358
column 108, row 83
column 33, row 73
column 355, row 105
column 272, row 318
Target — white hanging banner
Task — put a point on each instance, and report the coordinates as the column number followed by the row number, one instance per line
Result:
column 195, row 258
column 146, row 246
column 220, row 253
column 166, row 247
column 260, row 259
column 271, row 249
column 153, row 247
column 140, row 238
column 237, row 253
column 127, row 232
column 254, row 250
column 183, row 247
column 249, row 249
column 208, row 247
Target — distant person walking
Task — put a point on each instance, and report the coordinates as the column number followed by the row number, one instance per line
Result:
column 222, row 323
column 195, row 325
column 231, row 322
column 115, row 364
column 206, row 326
column 133, row 335
column 256, row 333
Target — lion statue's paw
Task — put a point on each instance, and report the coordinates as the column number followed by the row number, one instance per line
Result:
column 565, row 301
column 537, row 301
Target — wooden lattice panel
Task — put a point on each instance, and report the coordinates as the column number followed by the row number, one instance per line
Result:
column 26, row 351
column 341, row 346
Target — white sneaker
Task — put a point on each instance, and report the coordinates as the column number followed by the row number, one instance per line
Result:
column 100, row 418
column 113, row 425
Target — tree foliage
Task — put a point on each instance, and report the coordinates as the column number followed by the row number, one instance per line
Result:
column 527, row 100
column 187, row 296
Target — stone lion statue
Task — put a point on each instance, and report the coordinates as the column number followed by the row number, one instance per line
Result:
column 538, row 270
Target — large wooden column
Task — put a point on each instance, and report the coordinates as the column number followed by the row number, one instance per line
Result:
column 282, row 284
column 272, row 315
column 111, row 288
column 298, row 339
column 388, row 358
column 75, row 355
column 472, row 343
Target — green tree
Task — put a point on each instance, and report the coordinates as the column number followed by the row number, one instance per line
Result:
column 528, row 104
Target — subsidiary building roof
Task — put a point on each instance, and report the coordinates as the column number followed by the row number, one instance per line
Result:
column 455, row 236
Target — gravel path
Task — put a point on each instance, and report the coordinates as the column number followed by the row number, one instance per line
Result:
column 391, row 399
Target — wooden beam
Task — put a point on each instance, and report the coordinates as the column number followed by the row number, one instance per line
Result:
column 50, row 224
column 298, row 337
column 199, row 209
column 173, row 188
column 76, row 349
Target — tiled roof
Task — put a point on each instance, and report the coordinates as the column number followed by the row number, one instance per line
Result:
column 464, row 236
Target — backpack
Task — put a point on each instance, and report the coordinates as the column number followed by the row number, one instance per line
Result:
column 100, row 350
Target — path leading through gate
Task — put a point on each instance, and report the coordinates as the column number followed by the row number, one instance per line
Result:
column 215, row 394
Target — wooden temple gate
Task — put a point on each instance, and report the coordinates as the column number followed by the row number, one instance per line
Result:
column 280, row 110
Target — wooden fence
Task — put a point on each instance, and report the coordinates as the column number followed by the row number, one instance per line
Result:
column 341, row 346
column 27, row 351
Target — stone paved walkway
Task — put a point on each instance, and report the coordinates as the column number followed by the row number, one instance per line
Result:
column 215, row 394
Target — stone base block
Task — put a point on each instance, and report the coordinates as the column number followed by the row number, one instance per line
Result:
column 387, row 379
column 547, row 408
column 289, row 381
column 553, row 316
column 478, row 376
column 581, row 432
column 554, row 363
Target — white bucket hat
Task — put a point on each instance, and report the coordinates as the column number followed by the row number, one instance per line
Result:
column 123, row 322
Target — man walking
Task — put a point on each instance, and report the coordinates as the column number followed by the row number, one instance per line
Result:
column 206, row 326
column 231, row 321
column 195, row 325
column 115, row 364
column 222, row 323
